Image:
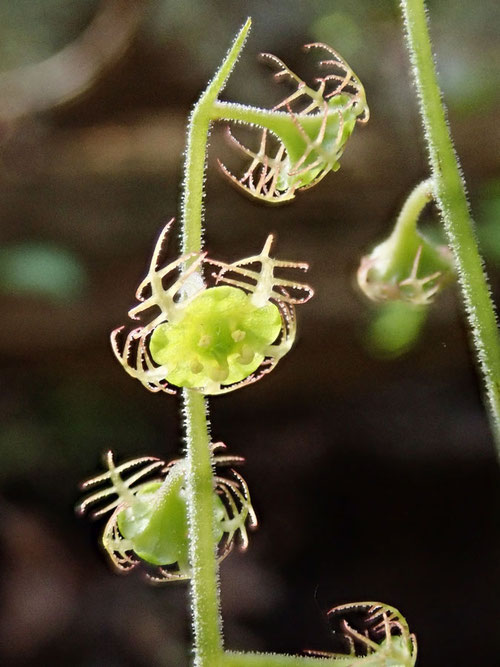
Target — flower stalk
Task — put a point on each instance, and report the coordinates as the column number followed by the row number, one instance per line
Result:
column 449, row 190
column 205, row 599
column 207, row 621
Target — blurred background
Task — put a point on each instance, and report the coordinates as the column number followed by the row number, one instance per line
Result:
column 369, row 457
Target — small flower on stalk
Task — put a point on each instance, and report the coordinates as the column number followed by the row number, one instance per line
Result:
column 149, row 522
column 371, row 630
column 212, row 339
column 415, row 279
column 407, row 266
column 299, row 146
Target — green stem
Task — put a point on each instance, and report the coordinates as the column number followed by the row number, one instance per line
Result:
column 196, row 149
column 418, row 198
column 207, row 622
column 235, row 659
column 403, row 243
column 252, row 115
column 451, row 199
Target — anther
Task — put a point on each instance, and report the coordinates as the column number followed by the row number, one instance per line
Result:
column 238, row 335
column 196, row 366
column 246, row 355
column 218, row 373
column 205, row 340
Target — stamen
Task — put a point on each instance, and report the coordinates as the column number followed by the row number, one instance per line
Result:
column 218, row 373
column 196, row 366
column 238, row 335
column 205, row 340
column 246, row 356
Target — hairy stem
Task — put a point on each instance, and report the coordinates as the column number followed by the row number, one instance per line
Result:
column 235, row 659
column 253, row 115
column 196, row 149
column 207, row 622
column 281, row 123
column 450, row 195
column 416, row 201
column 403, row 237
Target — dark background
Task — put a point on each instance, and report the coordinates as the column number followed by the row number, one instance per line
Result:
column 373, row 472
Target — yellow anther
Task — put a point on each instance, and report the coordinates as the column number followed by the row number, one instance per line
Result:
column 205, row 340
column 238, row 335
column 196, row 366
column 218, row 373
column 246, row 355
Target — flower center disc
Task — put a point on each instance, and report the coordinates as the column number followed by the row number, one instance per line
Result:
column 220, row 337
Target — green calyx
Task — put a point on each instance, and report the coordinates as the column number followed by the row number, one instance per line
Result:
column 156, row 524
column 413, row 272
column 219, row 338
column 149, row 520
column 314, row 144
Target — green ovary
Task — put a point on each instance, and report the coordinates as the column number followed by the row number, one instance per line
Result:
column 221, row 337
column 156, row 525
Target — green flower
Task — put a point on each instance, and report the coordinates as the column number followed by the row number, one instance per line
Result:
column 298, row 148
column 149, row 521
column 372, row 632
column 407, row 266
column 414, row 273
column 212, row 339
column 222, row 338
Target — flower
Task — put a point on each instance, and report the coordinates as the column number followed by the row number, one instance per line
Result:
column 310, row 137
column 149, row 520
column 210, row 338
column 413, row 271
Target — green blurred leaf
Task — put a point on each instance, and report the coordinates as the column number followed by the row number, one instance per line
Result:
column 40, row 268
column 394, row 329
column 339, row 28
column 488, row 218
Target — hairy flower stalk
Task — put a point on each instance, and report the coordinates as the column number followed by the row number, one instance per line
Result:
column 206, row 614
column 452, row 201
column 208, row 327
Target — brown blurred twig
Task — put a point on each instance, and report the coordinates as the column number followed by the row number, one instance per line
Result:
column 73, row 70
